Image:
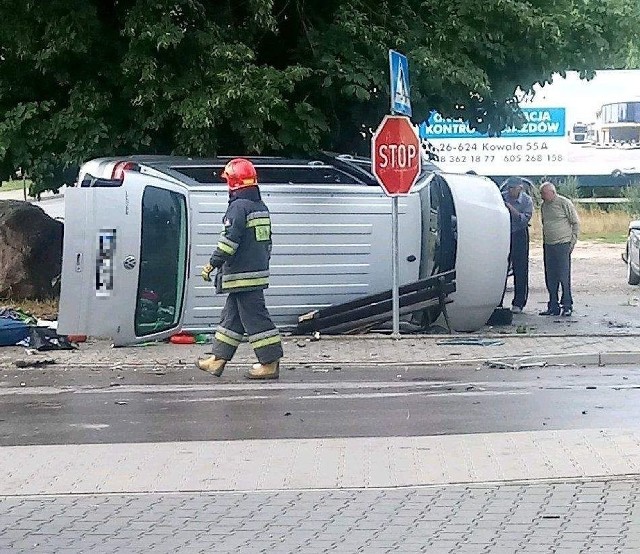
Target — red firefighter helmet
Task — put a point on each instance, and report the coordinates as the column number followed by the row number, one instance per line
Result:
column 240, row 173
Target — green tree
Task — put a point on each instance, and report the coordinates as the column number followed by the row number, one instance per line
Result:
column 628, row 55
column 86, row 78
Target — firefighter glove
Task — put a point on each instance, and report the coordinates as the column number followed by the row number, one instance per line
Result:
column 207, row 270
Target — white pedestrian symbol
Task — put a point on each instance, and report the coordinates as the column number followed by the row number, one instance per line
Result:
column 402, row 93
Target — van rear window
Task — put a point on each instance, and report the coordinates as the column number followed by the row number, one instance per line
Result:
column 281, row 175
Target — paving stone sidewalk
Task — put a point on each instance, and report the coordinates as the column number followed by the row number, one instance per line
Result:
column 570, row 518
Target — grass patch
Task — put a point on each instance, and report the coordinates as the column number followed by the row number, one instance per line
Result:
column 606, row 238
column 609, row 226
column 14, row 185
column 42, row 309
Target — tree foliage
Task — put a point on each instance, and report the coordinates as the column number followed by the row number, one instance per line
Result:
column 86, row 78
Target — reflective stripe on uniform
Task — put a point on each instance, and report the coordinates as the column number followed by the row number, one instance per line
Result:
column 266, row 338
column 259, row 222
column 227, row 245
column 266, row 342
column 257, row 215
column 241, row 283
column 245, row 280
column 246, row 275
column 269, row 333
column 229, row 333
column 225, row 248
column 226, row 339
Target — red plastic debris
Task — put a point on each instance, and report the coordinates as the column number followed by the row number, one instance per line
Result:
column 182, row 338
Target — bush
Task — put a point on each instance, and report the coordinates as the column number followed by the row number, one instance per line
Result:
column 632, row 194
column 568, row 187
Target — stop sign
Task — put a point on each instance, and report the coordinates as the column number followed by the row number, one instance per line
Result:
column 395, row 155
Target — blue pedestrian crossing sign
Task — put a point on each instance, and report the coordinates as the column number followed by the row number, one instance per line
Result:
column 399, row 71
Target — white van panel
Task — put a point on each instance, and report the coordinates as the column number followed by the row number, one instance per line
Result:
column 330, row 245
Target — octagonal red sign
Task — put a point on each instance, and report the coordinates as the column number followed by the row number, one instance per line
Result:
column 395, row 155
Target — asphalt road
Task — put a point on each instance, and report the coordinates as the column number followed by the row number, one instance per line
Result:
column 614, row 158
column 81, row 406
column 53, row 207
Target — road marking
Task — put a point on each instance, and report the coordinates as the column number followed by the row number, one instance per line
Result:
column 412, row 393
column 217, row 399
column 92, row 426
column 36, row 391
column 336, row 395
column 222, row 387
column 425, row 387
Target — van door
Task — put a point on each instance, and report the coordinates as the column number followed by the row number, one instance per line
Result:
column 124, row 259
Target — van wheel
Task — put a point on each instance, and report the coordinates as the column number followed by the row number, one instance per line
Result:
column 633, row 278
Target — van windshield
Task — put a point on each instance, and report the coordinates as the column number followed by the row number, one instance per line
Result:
column 163, row 254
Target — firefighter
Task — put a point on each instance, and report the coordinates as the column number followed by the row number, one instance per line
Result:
column 242, row 260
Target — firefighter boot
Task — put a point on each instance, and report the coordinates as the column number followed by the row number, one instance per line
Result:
column 264, row 371
column 212, row 365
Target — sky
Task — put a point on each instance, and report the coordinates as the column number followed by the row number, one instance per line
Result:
column 583, row 98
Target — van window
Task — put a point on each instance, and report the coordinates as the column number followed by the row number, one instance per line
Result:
column 277, row 175
column 163, row 256
column 311, row 175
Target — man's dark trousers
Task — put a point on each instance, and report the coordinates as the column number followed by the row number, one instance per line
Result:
column 557, row 271
column 519, row 258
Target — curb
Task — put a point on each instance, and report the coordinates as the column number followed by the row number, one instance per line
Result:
column 17, row 195
column 501, row 362
column 609, row 358
column 53, row 197
column 494, row 335
column 575, row 359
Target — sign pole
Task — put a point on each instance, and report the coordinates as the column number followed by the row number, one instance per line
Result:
column 395, row 256
column 395, row 162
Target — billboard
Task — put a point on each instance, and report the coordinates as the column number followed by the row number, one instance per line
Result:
column 573, row 127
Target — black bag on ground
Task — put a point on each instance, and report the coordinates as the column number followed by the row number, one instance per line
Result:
column 43, row 338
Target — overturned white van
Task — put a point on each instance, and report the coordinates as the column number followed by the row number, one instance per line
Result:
column 138, row 231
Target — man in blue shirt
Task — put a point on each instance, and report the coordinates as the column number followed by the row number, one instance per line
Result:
column 520, row 208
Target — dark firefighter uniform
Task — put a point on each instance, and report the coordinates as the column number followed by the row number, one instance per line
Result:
column 243, row 252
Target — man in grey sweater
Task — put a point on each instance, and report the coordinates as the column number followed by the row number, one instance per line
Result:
column 560, row 228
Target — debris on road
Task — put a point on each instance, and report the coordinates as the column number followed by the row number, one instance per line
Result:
column 497, row 364
column 617, row 325
column 34, row 363
column 470, row 341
